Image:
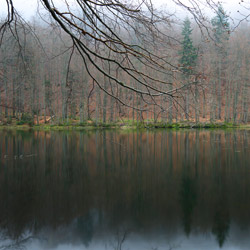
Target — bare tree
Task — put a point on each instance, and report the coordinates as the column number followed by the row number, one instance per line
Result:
column 124, row 45
column 96, row 27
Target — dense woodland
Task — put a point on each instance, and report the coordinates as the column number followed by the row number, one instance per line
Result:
column 44, row 78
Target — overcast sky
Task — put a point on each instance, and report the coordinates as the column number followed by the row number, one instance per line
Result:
column 28, row 7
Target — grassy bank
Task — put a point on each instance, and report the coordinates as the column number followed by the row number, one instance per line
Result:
column 128, row 124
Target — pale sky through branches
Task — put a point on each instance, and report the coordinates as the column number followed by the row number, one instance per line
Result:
column 27, row 8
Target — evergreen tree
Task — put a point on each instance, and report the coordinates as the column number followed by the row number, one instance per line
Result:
column 221, row 26
column 188, row 53
column 188, row 59
column 221, row 36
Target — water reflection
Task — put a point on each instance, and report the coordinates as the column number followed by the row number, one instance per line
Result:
column 108, row 189
column 188, row 200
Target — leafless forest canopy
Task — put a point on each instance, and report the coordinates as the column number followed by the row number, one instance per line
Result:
column 109, row 60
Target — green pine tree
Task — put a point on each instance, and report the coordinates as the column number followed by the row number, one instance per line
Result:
column 188, row 53
column 188, row 59
column 221, row 26
column 221, row 34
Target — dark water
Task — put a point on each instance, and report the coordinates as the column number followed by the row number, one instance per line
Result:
column 118, row 190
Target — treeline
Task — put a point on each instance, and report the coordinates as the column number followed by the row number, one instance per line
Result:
column 43, row 77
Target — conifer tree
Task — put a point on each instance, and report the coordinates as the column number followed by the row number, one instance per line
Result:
column 221, row 36
column 188, row 52
column 221, row 28
column 188, row 58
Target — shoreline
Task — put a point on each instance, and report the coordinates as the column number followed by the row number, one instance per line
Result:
column 125, row 126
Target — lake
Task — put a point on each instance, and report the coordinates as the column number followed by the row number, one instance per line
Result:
column 164, row 189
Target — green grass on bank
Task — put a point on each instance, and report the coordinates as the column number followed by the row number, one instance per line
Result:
column 123, row 124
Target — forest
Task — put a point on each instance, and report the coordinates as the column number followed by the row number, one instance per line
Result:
column 89, row 90
column 61, row 69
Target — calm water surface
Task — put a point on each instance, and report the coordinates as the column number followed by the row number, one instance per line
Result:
column 118, row 190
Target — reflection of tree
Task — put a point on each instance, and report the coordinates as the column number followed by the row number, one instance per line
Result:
column 22, row 204
column 188, row 199
column 121, row 236
column 141, row 194
column 67, row 161
column 140, row 206
column 221, row 225
column 18, row 244
column 85, row 227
